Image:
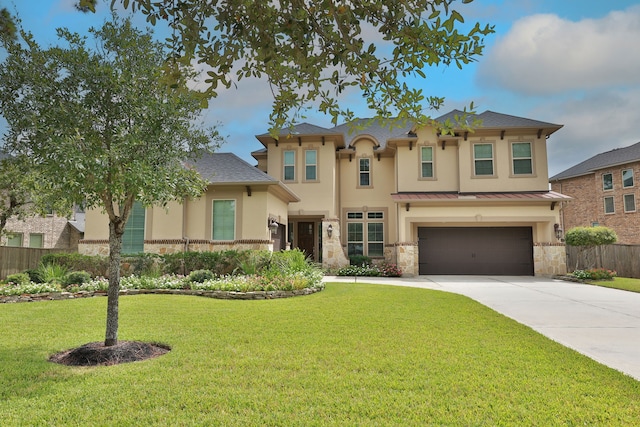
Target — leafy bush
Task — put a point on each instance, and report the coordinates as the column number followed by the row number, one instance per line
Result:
column 199, row 276
column 360, row 260
column 34, row 275
column 93, row 264
column 18, row 279
column 76, row 278
column 389, row 270
column 595, row 274
column 590, row 236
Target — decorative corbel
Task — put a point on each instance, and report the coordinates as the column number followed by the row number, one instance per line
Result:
column 407, row 206
column 502, row 134
column 249, row 190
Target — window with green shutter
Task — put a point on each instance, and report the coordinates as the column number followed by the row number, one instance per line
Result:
column 224, row 220
column 133, row 237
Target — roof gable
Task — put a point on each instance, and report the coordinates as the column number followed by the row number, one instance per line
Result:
column 227, row 168
column 617, row 156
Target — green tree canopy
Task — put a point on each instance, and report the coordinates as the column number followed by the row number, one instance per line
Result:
column 310, row 51
column 97, row 126
column 590, row 236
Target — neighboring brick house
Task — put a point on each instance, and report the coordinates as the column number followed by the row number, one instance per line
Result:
column 605, row 191
column 49, row 232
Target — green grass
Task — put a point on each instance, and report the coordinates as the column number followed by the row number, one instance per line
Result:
column 351, row 355
column 623, row 283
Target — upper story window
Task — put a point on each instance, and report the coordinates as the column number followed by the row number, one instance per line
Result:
column 311, row 165
column 365, row 172
column 426, row 162
column 483, row 159
column 607, row 181
column 522, row 158
column 224, row 220
column 289, row 162
column 627, row 178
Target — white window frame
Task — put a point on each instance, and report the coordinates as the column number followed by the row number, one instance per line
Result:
column 362, row 172
column 633, row 200
column 364, row 220
column 492, row 159
column 623, row 179
column 424, row 162
column 514, row 158
column 308, row 165
column 286, row 165
column 613, row 205
column 604, row 188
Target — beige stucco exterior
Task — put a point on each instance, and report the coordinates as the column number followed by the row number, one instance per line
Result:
column 370, row 186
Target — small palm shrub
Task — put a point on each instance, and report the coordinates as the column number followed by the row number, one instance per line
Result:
column 52, row 273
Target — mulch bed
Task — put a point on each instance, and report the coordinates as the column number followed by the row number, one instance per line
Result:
column 96, row 354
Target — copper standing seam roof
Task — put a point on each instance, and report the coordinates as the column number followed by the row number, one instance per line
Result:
column 534, row 196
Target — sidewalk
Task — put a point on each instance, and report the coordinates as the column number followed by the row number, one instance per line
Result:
column 601, row 323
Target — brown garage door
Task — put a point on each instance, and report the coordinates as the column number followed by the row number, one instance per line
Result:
column 477, row 250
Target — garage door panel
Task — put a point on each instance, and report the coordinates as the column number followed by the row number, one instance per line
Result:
column 476, row 250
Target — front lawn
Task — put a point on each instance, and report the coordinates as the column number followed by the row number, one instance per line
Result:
column 623, row 283
column 354, row 354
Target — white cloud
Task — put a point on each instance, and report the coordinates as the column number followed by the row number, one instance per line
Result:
column 594, row 124
column 544, row 54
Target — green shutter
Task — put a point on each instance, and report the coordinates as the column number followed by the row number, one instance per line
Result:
column 133, row 237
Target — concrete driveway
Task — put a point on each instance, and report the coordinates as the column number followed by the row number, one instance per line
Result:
column 601, row 323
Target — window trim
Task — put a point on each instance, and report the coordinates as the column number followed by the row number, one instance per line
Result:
column 632, row 178
column 421, row 162
column 514, row 158
column 364, row 218
column 315, row 165
column 369, row 172
column 285, row 165
column 235, row 219
column 11, row 235
column 492, row 159
column 624, row 202
column 603, row 187
column 613, row 205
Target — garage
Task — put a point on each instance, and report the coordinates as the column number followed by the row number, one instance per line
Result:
column 506, row 251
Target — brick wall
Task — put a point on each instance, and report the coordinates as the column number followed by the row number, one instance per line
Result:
column 587, row 206
column 56, row 232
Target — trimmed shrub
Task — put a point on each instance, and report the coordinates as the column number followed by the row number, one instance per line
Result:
column 34, row 275
column 76, row 278
column 360, row 260
column 199, row 276
column 590, row 236
column 18, row 279
column 94, row 265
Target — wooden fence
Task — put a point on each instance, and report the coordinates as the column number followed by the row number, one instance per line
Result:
column 15, row 260
column 624, row 259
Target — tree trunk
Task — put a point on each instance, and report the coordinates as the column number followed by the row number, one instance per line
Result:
column 113, row 292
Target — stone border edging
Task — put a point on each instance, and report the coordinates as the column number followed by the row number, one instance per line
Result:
column 229, row 295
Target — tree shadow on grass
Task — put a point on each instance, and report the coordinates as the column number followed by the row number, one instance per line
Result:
column 97, row 354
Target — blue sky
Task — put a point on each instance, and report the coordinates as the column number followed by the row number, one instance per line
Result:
column 570, row 62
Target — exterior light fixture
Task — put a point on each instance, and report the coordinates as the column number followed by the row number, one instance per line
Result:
column 558, row 231
column 329, row 230
column 273, row 226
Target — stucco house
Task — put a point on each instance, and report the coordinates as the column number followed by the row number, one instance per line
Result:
column 604, row 189
column 468, row 203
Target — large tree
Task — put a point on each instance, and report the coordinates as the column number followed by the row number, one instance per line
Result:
column 15, row 199
column 310, row 51
column 97, row 122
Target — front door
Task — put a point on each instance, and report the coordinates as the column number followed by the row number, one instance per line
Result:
column 305, row 238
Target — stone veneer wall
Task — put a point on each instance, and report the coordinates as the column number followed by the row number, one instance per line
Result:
column 549, row 259
column 101, row 247
column 405, row 256
column 333, row 254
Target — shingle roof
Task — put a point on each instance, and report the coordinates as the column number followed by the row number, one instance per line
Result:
column 300, row 129
column 227, row 168
column 380, row 131
column 493, row 120
column 617, row 156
